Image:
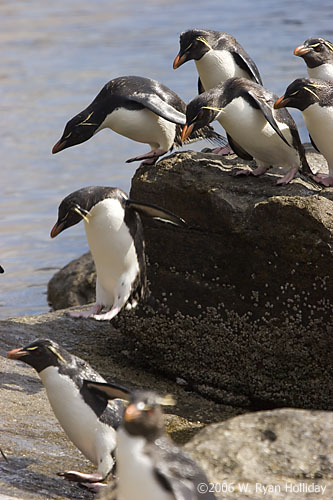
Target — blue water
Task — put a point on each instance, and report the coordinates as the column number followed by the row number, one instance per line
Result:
column 56, row 56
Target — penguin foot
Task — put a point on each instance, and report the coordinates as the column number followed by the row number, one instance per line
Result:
column 106, row 316
column 81, row 477
column 93, row 487
column 223, row 151
column 257, row 172
column 86, row 314
column 288, row 177
column 324, row 179
column 150, row 158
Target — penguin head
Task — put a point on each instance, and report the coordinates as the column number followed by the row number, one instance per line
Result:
column 301, row 93
column 144, row 414
column 79, row 129
column 41, row 354
column 315, row 51
column 77, row 205
column 199, row 113
column 193, row 45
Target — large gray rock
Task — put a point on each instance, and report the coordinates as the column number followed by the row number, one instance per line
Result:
column 285, row 454
column 244, row 311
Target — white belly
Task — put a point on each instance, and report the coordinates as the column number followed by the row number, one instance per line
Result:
column 322, row 72
column 136, row 480
column 250, row 129
column 142, row 126
column 319, row 122
column 93, row 438
column 113, row 251
column 217, row 66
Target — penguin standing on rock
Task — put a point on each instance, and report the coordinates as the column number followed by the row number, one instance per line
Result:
column 115, row 237
column 254, row 129
column 318, row 56
column 217, row 56
column 314, row 98
column 149, row 465
column 86, row 417
column 139, row 108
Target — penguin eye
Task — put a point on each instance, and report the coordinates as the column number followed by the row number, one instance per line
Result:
column 318, row 48
column 36, row 349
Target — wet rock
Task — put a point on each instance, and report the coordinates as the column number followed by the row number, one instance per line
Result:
column 243, row 308
column 276, row 454
column 31, row 438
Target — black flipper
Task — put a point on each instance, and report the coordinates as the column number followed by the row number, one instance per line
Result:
column 160, row 107
column 201, row 89
column 238, row 149
column 268, row 114
column 313, row 144
column 155, row 212
column 176, row 472
column 110, row 391
column 2, row 269
column 248, row 66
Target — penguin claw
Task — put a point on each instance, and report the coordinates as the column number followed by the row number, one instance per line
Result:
column 288, row 177
column 149, row 158
column 324, row 179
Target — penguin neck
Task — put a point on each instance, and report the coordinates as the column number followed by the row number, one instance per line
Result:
column 216, row 66
column 322, row 72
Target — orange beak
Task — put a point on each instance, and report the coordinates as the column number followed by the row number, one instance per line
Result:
column 57, row 228
column 186, row 132
column 58, row 147
column 179, row 60
column 131, row 413
column 16, row 353
column 282, row 102
column 301, row 51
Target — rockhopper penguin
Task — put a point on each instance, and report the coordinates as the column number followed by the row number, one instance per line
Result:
column 217, row 56
column 314, row 98
column 149, row 465
column 318, row 56
column 254, row 129
column 115, row 237
column 139, row 108
column 87, row 419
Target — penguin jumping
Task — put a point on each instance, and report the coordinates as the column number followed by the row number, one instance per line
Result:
column 254, row 129
column 115, row 237
column 87, row 418
column 314, row 98
column 149, row 465
column 139, row 108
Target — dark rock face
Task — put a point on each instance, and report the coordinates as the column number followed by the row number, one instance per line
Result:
column 74, row 284
column 252, row 246
column 244, row 311
column 287, row 452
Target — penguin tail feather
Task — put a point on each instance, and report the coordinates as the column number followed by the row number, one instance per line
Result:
column 207, row 132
